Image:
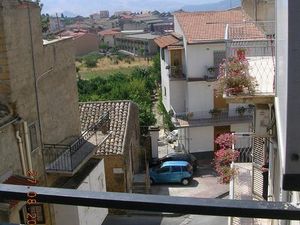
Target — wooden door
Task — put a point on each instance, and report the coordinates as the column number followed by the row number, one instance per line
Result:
column 176, row 57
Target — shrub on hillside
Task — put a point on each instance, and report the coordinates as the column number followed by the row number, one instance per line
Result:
column 91, row 60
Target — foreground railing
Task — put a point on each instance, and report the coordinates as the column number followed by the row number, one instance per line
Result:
column 61, row 157
column 156, row 203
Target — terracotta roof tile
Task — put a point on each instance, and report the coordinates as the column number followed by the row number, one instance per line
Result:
column 244, row 31
column 109, row 32
column 90, row 112
column 165, row 41
column 209, row 26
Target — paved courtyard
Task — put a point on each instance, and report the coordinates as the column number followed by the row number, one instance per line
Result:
column 204, row 185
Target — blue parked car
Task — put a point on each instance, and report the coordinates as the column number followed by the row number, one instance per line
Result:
column 172, row 172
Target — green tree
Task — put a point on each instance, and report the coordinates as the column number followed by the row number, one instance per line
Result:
column 104, row 46
column 45, row 21
column 136, row 87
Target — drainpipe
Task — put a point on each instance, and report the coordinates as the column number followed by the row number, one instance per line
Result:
column 23, row 163
column 27, row 144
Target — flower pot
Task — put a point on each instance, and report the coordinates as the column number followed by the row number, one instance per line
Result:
column 234, row 91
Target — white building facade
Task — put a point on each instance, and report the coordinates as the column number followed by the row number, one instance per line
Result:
column 189, row 68
column 78, row 215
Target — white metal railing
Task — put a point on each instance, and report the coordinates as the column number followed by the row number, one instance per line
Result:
column 257, row 40
column 218, row 114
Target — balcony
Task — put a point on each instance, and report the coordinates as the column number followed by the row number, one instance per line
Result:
column 176, row 73
column 67, row 159
column 258, row 45
column 210, row 118
column 249, row 183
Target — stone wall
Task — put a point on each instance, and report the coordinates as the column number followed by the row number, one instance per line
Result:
column 132, row 138
column 265, row 10
column 115, row 173
column 57, row 91
column 86, row 43
column 36, row 82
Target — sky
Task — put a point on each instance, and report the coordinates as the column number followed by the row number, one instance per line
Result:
column 87, row 7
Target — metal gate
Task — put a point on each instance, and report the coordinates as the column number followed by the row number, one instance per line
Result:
column 218, row 59
column 260, row 154
column 243, row 144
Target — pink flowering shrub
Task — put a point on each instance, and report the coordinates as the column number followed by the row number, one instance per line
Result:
column 224, row 157
column 225, row 140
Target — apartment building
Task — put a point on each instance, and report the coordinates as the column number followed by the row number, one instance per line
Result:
column 271, row 173
column 108, row 36
column 138, row 44
column 40, row 129
column 104, row 13
column 190, row 59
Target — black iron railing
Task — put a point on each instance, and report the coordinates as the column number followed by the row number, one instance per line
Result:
column 176, row 72
column 65, row 158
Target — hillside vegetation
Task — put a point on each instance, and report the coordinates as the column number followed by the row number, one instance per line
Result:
column 137, row 86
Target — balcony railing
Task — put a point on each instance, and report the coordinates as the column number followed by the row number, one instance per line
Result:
column 257, row 40
column 63, row 158
column 176, row 72
column 206, row 118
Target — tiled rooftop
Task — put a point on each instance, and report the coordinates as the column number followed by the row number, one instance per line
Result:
column 165, row 41
column 91, row 112
column 210, row 26
column 109, row 32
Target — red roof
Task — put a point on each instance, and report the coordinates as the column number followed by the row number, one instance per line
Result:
column 124, row 16
column 109, row 32
column 72, row 34
column 209, row 26
column 165, row 41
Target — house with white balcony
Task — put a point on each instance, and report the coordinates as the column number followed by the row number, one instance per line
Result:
column 270, row 171
column 190, row 59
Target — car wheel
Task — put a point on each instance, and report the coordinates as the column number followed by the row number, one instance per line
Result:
column 185, row 181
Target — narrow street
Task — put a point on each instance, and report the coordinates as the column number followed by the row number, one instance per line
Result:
column 203, row 185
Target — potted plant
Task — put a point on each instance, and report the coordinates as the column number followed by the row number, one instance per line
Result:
column 215, row 112
column 234, row 77
column 240, row 110
column 211, row 71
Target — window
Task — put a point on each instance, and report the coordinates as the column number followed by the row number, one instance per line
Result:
column 176, row 169
column 184, row 169
column 33, row 136
column 162, row 52
column 164, row 169
column 165, row 91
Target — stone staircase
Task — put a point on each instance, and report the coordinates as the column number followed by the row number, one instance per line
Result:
column 141, row 184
